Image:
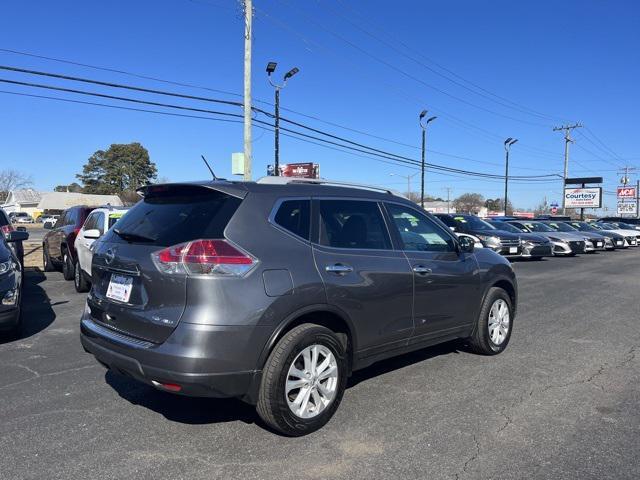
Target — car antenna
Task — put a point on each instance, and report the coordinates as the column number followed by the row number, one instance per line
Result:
column 209, row 167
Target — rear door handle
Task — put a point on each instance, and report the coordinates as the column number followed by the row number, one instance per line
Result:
column 339, row 269
column 421, row 270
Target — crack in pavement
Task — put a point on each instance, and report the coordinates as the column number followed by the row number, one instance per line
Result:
column 471, row 459
column 60, row 372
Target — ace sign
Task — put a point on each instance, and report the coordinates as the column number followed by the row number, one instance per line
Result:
column 626, row 192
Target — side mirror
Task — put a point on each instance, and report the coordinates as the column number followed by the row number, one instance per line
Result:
column 92, row 233
column 17, row 236
column 466, row 244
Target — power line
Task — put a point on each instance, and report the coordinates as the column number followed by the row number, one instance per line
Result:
column 500, row 100
column 410, row 76
column 535, row 150
column 161, row 92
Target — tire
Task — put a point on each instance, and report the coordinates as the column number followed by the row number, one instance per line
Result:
column 481, row 340
column 68, row 267
column 273, row 399
column 80, row 280
column 46, row 260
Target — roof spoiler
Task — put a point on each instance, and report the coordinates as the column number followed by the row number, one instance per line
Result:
column 234, row 189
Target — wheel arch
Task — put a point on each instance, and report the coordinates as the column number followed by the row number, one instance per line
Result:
column 323, row 314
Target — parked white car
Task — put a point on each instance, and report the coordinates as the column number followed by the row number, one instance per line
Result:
column 48, row 221
column 97, row 223
column 631, row 237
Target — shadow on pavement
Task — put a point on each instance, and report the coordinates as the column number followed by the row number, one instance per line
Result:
column 37, row 313
column 199, row 411
column 179, row 408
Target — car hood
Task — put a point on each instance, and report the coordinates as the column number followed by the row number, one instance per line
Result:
column 495, row 233
column 626, row 233
column 534, row 237
column 567, row 236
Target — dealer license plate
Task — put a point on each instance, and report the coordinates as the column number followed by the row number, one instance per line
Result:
column 513, row 249
column 598, row 244
column 120, row 287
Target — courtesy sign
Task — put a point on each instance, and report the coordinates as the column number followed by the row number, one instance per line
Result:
column 590, row 197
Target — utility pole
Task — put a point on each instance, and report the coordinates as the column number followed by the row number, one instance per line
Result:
column 271, row 67
column 423, row 126
column 248, row 34
column 567, row 140
column 507, row 149
column 638, row 199
column 448, row 189
column 408, row 177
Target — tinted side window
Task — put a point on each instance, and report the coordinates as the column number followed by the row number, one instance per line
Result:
column 70, row 217
column 61, row 222
column 352, row 224
column 418, row 232
column 98, row 221
column 294, row 216
column 90, row 223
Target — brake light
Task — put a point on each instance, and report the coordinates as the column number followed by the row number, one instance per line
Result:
column 6, row 229
column 203, row 257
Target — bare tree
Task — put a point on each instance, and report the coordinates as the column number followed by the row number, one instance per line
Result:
column 12, row 180
column 469, row 203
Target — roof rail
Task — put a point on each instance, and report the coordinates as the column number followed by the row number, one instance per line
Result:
column 273, row 180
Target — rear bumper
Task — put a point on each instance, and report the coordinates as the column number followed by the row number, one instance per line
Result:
column 205, row 361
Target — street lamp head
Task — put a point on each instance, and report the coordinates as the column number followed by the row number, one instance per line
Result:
column 271, row 67
column 515, row 140
column 429, row 120
column 508, row 141
column 422, row 114
column 291, row 73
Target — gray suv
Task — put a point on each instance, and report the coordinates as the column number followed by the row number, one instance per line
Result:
column 276, row 291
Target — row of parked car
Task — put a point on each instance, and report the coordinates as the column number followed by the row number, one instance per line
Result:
column 545, row 236
column 24, row 218
column 275, row 291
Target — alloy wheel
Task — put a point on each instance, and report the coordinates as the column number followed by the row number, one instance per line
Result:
column 499, row 321
column 312, row 381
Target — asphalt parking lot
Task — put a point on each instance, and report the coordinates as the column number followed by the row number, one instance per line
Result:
column 561, row 402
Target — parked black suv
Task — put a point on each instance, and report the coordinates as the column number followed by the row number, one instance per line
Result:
column 276, row 291
column 5, row 230
column 503, row 242
column 10, row 281
column 58, row 245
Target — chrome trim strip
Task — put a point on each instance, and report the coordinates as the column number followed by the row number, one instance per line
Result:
column 114, row 336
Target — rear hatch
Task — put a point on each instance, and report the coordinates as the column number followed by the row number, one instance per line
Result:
column 130, row 294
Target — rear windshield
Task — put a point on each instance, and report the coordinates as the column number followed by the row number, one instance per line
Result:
column 177, row 215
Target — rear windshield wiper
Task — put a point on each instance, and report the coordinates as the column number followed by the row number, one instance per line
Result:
column 132, row 237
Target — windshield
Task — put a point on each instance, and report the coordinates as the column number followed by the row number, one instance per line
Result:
column 606, row 226
column 582, row 226
column 474, row 223
column 561, row 227
column 507, row 227
column 538, row 227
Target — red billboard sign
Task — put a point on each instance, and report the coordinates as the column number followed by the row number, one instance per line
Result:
column 300, row 170
column 626, row 192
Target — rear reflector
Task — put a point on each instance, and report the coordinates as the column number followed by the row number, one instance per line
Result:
column 203, row 257
column 172, row 387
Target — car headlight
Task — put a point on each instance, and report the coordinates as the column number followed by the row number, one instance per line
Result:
column 490, row 240
column 5, row 267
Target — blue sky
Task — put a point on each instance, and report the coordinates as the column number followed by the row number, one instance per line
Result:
column 568, row 61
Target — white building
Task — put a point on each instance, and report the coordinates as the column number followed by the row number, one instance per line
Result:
column 26, row 200
column 56, row 202
column 439, row 207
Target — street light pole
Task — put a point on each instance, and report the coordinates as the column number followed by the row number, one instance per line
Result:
column 507, row 148
column 423, row 126
column 271, row 67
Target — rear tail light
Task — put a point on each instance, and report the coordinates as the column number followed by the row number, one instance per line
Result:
column 6, row 229
column 203, row 257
